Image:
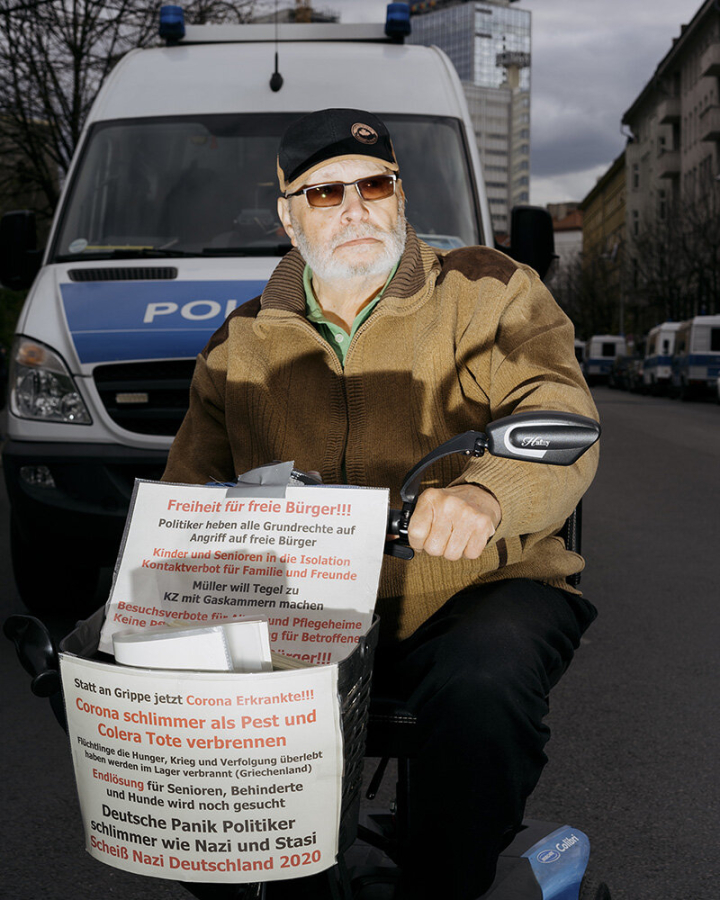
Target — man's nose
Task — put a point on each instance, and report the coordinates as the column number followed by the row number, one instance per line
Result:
column 354, row 208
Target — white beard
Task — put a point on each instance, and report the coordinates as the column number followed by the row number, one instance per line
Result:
column 328, row 268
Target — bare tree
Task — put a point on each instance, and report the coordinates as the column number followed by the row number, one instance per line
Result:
column 675, row 261
column 592, row 292
column 657, row 274
column 699, row 216
column 565, row 284
column 54, row 56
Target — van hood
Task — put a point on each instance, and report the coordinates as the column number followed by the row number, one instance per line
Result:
column 119, row 321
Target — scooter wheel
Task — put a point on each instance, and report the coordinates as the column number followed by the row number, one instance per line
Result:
column 591, row 889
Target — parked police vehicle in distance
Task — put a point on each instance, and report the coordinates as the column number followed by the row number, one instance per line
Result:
column 166, row 224
column 579, row 350
column 600, row 351
column 659, row 349
column 696, row 360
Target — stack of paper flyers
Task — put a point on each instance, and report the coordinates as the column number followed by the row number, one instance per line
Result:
column 239, row 646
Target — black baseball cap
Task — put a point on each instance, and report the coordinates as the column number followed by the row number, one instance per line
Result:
column 330, row 135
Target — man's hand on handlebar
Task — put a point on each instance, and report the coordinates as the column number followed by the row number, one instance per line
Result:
column 455, row 522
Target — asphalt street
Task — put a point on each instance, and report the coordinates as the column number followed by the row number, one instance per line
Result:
column 635, row 748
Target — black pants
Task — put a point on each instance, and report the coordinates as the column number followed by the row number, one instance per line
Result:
column 477, row 675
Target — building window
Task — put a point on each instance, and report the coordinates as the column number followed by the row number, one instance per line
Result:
column 635, row 222
column 706, row 171
column 635, row 176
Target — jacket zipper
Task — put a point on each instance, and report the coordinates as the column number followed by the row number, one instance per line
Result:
column 305, row 325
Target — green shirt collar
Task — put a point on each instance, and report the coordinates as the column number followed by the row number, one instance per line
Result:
column 336, row 336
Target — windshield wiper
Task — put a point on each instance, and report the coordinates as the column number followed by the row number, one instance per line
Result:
column 160, row 253
column 260, row 250
column 135, row 253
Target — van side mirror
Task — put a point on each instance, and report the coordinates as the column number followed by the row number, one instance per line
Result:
column 19, row 257
column 532, row 240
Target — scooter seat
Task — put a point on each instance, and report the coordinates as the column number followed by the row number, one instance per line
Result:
column 391, row 729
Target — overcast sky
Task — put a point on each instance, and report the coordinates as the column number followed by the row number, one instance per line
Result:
column 590, row 60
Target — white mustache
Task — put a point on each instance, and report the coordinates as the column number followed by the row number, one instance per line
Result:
column 357, row 232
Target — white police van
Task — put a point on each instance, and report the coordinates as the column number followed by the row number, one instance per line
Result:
column 696, row 360
column 600, row 353
column 659, row 349
column 167, row 223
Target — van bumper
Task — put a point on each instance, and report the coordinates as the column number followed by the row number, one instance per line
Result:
column 88, row 499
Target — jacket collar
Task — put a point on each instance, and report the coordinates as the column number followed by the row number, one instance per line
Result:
column 285, row 291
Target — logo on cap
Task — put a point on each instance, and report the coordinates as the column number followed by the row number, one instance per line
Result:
column 364, row 133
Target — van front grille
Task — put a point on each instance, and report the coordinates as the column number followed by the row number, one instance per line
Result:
column 125, row 273
column 147, row 398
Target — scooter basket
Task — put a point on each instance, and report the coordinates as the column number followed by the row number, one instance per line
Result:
column 354, row 676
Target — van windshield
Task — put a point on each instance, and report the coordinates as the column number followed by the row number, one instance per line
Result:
column 207, row 186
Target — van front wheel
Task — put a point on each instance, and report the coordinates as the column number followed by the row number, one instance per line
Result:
column 46, row 582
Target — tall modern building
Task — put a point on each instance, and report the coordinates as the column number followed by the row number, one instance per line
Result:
column 489, row 44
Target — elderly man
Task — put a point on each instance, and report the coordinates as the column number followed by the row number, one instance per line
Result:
column 366, row 349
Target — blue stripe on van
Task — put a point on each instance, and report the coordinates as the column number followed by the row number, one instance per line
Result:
column 699, row 359
column 149, row 320
column 600, row 364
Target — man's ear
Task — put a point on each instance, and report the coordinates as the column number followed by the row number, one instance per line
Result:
column 283, row 209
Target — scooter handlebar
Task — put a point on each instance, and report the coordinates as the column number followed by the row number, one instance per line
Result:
column 36, row 653
column 549, row 437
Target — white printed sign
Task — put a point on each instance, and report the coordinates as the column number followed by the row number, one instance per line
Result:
column 310, row 561
column 206, row 777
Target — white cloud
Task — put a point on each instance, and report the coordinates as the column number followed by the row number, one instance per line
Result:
column 591, row 59
column 590, row 62
column 546, row 189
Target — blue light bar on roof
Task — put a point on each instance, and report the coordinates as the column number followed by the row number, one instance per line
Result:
column 397, row 22
column 172, row 23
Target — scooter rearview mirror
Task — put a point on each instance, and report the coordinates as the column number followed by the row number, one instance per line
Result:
column 554, row 438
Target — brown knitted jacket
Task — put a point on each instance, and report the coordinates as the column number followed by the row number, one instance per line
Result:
column 458, row 339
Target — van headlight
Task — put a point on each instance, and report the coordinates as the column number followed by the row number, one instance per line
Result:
column 42, row 388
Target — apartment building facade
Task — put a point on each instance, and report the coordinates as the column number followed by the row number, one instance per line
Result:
column 673, row 164
column 489, row 43
column 604, row 250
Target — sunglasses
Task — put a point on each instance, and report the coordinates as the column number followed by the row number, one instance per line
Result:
column 324, row 196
